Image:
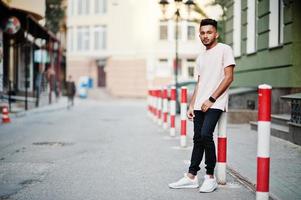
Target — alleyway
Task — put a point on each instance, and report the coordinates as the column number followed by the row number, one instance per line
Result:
column 97, row 150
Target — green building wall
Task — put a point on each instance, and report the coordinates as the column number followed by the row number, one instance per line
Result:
column 279, row 66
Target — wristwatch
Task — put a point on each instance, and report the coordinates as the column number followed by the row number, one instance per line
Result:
column 212, row 100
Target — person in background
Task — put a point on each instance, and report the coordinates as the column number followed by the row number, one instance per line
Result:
column 71, row 91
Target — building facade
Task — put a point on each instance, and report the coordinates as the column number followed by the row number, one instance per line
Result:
column 265, row 38
column 125, row 45
column 30, row 55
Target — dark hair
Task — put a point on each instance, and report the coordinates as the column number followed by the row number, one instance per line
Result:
column 212, row 22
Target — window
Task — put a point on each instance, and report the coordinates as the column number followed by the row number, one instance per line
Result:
column 190, row 68
column 191, row 32
column 100, row 6
column 236, row 28
column 276, row 23
column 190, row 72
column 163, row 69
column 251, row 27
column 163, row 32
column 83, row 38
column 99, row 37
column 71, row 7
column 83, row 7
column 70, row 39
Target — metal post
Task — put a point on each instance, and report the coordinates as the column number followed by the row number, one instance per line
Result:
column 183, row 141
column 9, row 95
column 263, row 143
column 172, row 105
column 26, row 60
column 177, row 48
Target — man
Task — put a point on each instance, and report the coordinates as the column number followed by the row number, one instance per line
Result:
column 214, row 68
column 71, row 90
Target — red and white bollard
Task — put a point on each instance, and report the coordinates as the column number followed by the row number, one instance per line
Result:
column 152, row 104
column 156, row 105
column 165, row 108
column 159, row 101
column 149, row 103
column 263, row 143
column 183, row 117
column 222, row 149
column 5, row 115
column 172, row 104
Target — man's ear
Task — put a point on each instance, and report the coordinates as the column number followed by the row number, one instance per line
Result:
column 217, row 35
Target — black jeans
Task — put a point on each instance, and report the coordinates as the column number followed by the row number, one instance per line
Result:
column 204, row 124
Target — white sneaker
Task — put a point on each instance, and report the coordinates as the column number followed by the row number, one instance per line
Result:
column 185, row 182
column 209, row 184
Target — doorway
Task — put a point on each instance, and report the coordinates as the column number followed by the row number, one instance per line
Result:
column 101, row 75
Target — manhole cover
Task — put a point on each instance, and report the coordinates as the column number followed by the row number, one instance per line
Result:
column 52, row 143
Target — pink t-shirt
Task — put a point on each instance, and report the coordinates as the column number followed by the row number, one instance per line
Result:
column 210, row 66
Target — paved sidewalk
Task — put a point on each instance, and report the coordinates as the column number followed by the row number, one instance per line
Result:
column 285, row 170
column 285, row 160
column 285, row 163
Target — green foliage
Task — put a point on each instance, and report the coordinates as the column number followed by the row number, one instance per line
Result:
column 202, row 14
column 55, row 14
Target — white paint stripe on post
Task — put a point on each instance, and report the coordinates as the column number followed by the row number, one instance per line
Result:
column 221, row 173
column 263, row 144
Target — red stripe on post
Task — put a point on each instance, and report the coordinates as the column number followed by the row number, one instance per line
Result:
column 183, row 127
column 165, row 94
column 172, row 121
column 263, row 173
column 165, row 117
column 184, row 95
column 222, row 149
column 264, row 104
column 173, row 94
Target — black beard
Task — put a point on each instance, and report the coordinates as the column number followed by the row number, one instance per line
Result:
column 209, row 44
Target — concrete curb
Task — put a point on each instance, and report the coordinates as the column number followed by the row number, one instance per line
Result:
column 246, row 182
column 61, row 105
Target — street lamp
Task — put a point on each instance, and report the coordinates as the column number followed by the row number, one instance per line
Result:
column 177, row 16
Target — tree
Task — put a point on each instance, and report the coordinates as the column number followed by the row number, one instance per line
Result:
column 55, row 14
column 202, row 14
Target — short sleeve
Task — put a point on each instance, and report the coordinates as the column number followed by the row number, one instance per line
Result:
column 228, row 58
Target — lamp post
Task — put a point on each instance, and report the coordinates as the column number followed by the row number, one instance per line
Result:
column 177, row 17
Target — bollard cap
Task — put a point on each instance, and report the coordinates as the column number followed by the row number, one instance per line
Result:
column 264, row 86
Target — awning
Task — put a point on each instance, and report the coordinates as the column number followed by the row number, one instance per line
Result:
column 28, row 22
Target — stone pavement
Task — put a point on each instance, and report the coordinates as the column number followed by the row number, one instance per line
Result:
column 285, row 161
column 285, row 170
column 97, row 150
